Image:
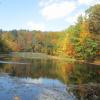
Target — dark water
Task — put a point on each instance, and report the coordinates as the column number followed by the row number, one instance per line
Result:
column 38, row 79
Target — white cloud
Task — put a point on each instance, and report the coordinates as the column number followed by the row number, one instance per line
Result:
column 57, row 10
column 35, row 26
column 88, row 2
column 63, row 10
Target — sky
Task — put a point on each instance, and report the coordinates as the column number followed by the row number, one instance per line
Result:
column 44, row 15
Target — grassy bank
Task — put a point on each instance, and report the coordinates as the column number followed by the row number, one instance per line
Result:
column 30, row 55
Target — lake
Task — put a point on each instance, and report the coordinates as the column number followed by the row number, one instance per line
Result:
column 47, row 79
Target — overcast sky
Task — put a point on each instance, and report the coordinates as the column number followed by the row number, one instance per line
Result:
column 45, row 15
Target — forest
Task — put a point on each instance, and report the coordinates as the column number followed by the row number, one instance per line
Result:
column 80, row 41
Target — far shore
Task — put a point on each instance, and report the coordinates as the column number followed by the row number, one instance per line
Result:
column 31, row 55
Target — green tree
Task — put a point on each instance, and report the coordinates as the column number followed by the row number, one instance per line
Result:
column 87, row 50
column 93, row 14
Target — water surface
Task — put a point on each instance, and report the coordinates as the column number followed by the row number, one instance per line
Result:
column 41, row 79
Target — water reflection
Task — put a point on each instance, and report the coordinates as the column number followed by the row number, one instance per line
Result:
column 65, row 81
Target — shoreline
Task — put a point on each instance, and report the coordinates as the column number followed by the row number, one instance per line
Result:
column 30, row 55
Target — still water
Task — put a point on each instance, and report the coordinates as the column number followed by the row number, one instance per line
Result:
column 40, row 79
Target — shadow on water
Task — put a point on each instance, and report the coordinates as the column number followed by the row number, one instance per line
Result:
column 37, row 79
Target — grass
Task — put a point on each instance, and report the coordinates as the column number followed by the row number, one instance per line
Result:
column 31, row 55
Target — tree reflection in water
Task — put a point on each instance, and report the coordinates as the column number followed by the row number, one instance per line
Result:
column 81, row 79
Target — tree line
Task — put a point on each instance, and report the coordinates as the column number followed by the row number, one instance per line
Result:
column 80, row 41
